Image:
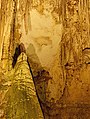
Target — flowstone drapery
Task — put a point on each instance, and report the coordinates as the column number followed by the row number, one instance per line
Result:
column 55, row 38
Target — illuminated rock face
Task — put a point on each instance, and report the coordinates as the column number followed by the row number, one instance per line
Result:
column 18, row 95
column 56, row 39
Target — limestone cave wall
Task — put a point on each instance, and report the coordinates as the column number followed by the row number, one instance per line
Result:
column 54, row 35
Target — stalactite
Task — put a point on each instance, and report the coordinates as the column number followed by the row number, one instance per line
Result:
column 79, row 10
column 63, row 11
column 12, row 35
column 27, row 19
column 59, row 9
column 88, row 18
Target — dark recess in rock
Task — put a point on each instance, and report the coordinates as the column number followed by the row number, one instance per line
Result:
column 18, row 51
column 87, row 48
column 30, row 68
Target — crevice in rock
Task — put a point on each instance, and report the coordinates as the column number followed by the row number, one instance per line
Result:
column 30, row 68
column 87, row 48
column 16, row 54
column 20, row 48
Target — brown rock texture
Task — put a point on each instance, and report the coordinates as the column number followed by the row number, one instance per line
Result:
column 53, row 38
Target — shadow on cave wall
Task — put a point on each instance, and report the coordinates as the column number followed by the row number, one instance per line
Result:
column 33, row 59
column 20, row 48
column 40, row 76
column 37, row 70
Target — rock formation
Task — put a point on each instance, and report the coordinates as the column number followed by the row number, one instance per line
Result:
column 51, row 38
column 17, row 93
